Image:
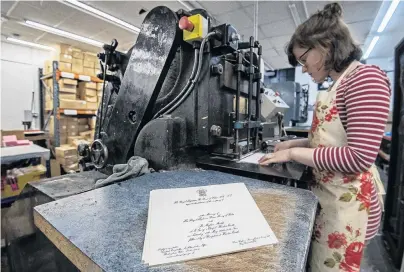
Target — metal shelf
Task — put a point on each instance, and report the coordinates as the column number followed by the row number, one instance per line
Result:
column 56, row 111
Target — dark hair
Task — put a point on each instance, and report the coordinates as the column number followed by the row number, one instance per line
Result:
column 325, row 30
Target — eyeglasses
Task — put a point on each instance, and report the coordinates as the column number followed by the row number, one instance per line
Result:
column 300, row 61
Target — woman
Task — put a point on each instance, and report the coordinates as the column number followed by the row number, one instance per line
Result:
column 348, row 125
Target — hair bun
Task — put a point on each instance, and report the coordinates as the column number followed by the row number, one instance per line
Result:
column 332, row 10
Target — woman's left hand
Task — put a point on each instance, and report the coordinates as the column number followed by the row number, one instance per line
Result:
column 277, row 157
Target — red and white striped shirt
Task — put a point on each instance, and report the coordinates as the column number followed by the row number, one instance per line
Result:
column 363, row 103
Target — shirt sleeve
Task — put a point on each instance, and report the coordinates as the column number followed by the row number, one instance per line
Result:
column 367, row 104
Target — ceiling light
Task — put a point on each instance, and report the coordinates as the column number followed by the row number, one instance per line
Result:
column 268, row 66
column 102, row 15
column 388, row 15
column 371, row 46
column 185, row 5
column 63, row 33
column 295, row 14
column 37, row 45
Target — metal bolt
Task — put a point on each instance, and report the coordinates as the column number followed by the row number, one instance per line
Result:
column 217, row 69
column 216, row 130
column 235, row 37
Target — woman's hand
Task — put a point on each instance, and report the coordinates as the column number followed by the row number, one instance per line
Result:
column 276, row 157
column 283, row 145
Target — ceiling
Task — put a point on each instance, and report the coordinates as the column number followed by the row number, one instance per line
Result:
column 275, row 22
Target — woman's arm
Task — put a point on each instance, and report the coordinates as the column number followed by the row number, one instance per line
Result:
column 301, row 155
column 367, row 103
column 300, row 143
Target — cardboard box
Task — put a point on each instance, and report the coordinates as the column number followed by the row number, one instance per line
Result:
column 65, row 151
column 67, row 96
column 72, row 104
column 100, row 86
column 65, row 66
column 72, row 127
column 65, row 49
column 77, row 142
column 77, row 66
column 77, row 54
column 47, row 67
column 82, row 128
column 71, row 139
column 65, row 58
column 49, row 105
column 71, row 120
column 62, row 126
column 71, row 168
column 63, row 139
column 88, row 64
column 88, row 71
column 68, row 90
column 68, row 160
column 92, row 106
column 92, row 99
column 68, row 81
column 70, row 134
column 87, row 92
column 55, row 168
column 90, row 57
column 21, row 177
column 86, row 134
column 87, row 85
column 92, row 122
column 83, row 121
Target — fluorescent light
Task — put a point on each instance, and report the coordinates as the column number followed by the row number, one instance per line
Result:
column 185, row 5
column 37, row 45
column 63, row 33
column 102, row 15
column 371, row 46
column 269, row 66
column 295, row 14
column 388, row 15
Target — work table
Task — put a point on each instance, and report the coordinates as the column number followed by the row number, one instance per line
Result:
column 104, row 229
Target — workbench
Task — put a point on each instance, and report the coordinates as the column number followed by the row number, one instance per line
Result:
column 15, row 153
column 9, row 155
column 104, row 229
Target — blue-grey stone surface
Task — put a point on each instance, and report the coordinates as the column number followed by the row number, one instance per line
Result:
column 108, row 224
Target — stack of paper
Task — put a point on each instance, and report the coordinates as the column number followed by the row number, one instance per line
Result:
column 197, row 222
column 253, row 158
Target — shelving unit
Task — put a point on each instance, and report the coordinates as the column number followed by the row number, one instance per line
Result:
column 56, row 111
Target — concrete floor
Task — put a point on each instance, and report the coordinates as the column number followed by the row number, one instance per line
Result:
column 376, row 258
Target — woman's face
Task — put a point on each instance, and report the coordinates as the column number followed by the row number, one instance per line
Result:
column 312, row 61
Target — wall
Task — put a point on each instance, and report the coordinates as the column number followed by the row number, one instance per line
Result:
column 306, row 79
column 19, row 78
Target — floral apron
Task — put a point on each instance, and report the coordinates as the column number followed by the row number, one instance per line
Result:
column 340, row 227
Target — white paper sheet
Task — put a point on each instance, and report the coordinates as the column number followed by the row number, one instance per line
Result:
column 252, row 158
column 197, row 222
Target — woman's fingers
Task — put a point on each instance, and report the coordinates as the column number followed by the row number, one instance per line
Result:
column 265, row 159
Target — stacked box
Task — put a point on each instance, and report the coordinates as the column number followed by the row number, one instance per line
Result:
column 67, row 157
column 100, row 87
column 88, row 93
column 68, row 86
column 92, row 122
column 62, row 129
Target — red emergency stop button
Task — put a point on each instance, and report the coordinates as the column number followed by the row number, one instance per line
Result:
column 186, row 24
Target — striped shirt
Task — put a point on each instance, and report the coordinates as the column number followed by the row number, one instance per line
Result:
column 363, row 103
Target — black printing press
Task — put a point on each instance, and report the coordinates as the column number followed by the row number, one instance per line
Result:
column 187, row 94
